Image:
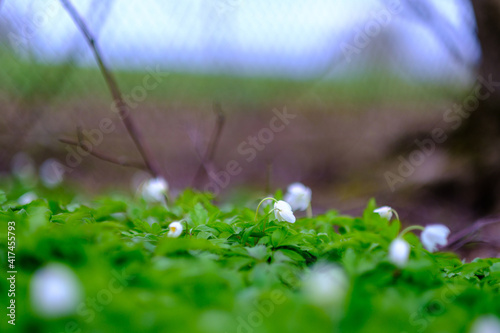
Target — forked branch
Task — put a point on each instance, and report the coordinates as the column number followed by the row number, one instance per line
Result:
column 115, row 160
column 122, row 107
column 207, row 158
column 460, row 238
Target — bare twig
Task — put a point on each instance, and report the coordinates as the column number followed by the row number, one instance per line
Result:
column 459, row 239
column 47, row 85
column 102, row 156
column 207, row 158
column 219, row 124
column 123, row 109
column 479, row 243
column 207, row 166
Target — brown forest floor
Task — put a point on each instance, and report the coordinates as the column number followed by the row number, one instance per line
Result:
column 341, row 154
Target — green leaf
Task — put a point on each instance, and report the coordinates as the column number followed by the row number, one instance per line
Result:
column 221, row 227
column 38, row 216
column 258, row 252
column 278, row 236
column 170, row 246
column 199, row 215
column 107, row 207
column 292, row 255
column 3, row 197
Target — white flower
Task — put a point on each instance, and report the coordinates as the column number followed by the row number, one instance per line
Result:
column 154, row 189
column 384, row 211
column 138, row 179
column 399, row 252
column 52, row 172
column 55, row 291
column 175, row 229
column 434, row 235
column 326, row 284
column 27, row 198
column 22, row 166
column 486, row 324
column 298, row 196
column 283, row 211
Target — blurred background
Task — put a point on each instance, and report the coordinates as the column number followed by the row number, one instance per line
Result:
column 396, row 100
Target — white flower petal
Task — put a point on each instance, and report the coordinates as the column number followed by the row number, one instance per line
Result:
column 52, row 172
column 486, row 324
column 434, row 235
column 326, row 284
column 399, row 252
column 298, row 196
column 288, row 216
column 175, row 229
column 27, row 198
column 277, row 215
column 283, row 211
column 55, row 291
column 384, row 212
column 23, row 166
column 154, row 189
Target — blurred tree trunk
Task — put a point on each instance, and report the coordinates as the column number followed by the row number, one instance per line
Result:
column 478, row 138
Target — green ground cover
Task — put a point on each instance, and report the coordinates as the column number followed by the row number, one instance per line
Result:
column 230, row 272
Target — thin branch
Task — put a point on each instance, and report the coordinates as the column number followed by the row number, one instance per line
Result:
column 123, row 109
column 206, row 165
column 458, row 244
column 477, row 243
column 458, row 238
column 207, row 158
column 219, row 124
column 102, row 156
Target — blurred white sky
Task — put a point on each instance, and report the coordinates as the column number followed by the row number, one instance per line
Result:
column 294, row 38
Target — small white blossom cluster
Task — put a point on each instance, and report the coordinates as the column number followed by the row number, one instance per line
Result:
column 156, row 190
column 298, row 197
column 431, row 237
column 51, row 171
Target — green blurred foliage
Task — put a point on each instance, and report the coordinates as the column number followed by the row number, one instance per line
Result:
column 229, row 273
column 28, row 80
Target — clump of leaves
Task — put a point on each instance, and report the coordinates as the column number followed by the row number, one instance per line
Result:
column 230, row 272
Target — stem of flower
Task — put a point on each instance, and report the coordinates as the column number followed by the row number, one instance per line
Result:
column 187, row 229
column 396, row 214
column 309, row 212
column 264, row 225
column 265, row 199
column 410, row 228
column 166, row 196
